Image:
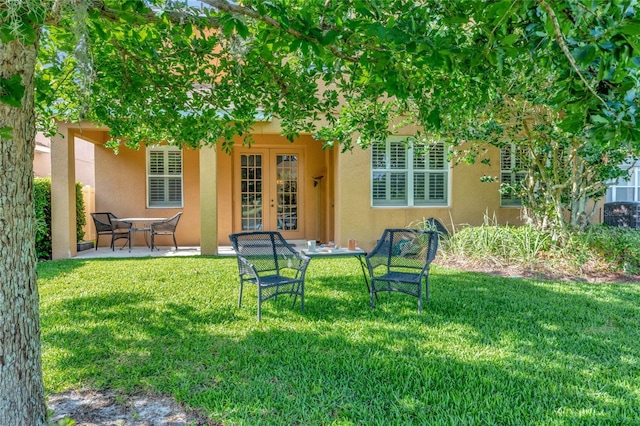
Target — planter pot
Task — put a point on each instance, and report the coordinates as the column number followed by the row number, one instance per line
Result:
column 85, row 245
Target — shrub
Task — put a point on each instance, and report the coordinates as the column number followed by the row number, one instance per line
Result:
column 42, row 202
column 80, row 212
column 620, row 246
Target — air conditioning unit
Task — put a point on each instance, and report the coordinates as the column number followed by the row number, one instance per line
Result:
column 622, row 213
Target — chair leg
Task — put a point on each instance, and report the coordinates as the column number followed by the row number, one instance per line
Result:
column 240, row 295
column 97, row 240
column 371, row 292
column 302, row 296
column 427, row 287
column 175, row 243
column 259, row 303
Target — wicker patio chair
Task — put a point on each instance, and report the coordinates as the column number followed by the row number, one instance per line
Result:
column 164, row 227
column 400, row 262
column 273, row 265
column 106, row 224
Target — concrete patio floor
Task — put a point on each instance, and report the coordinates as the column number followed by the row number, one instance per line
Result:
column 142, row 251
column 165, row 251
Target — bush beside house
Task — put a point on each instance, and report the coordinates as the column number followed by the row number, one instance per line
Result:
column 42, row 201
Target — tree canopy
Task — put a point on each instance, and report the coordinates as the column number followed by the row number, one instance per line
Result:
column 150, row 70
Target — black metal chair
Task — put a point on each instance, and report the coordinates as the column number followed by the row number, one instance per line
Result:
column 433, row 224
column 400, row 262
column 273, row 265
column 106, row 224
column 164, row 227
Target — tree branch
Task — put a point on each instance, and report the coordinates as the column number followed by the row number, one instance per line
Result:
column 563, row 46
column 225, row 6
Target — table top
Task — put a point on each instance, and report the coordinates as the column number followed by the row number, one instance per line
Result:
column 329, row 252
column 139, row 219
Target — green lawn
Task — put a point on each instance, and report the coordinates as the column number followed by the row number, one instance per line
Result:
column 485, row 350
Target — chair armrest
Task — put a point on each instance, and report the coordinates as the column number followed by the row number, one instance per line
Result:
column 120, row 224
column 375, row 259
column 302, row 262
column 294, row 260
column 246, row 267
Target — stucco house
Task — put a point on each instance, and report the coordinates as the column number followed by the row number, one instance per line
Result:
column 297, row 188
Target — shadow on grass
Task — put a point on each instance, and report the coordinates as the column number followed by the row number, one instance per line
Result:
column 485, row 350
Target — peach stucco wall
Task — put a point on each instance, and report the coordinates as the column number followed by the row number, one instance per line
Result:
column 121, row 189
column 337, row 208
column 470, row 200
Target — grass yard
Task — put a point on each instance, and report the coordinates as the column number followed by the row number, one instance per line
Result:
column 485, row 350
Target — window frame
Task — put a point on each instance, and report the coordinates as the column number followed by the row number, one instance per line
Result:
column 410, row 170
column 634, row 184
column 166, row 176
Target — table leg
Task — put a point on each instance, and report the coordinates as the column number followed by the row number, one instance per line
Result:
column 132, row 234
column 364, row 268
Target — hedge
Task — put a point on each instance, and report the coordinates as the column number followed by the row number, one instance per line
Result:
column 42, row 202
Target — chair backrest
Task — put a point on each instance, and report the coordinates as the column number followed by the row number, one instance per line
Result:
column 167, row 225
column 265, row 250
column 433, row 224
column 102, row 221
column 405, row 248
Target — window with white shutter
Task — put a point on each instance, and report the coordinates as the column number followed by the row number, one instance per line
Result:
column 409, row 175
column 164, row 177
column 512, row 174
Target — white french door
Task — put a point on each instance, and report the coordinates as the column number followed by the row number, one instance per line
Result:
column 268, row 191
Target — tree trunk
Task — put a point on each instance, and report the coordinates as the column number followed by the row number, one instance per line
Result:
column 22, row 400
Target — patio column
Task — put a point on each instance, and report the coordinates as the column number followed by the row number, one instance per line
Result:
column 63, row 194
column 208, row 201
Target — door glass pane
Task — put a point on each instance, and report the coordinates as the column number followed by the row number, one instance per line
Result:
column 287, row 192
column 251, row 191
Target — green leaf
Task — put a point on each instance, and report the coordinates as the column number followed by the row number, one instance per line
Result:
column 241, row 28
column 510, row 39
column 599, row 119
column 630, row 28
column 12, row 90
column 6, row 132
column 630, row 96
column 6, row 35
column 585, row 54
column 498, row 10
column 572, row 123
column 27, row 32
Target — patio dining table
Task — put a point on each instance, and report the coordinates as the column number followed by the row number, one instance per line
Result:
column 139, row 224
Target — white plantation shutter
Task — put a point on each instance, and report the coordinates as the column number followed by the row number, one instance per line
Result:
column 511, row 174
column 164, row 177
column 406, row 175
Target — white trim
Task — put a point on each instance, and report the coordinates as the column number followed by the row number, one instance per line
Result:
column 633, row 185
column 410, row 175
column 165, row 149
